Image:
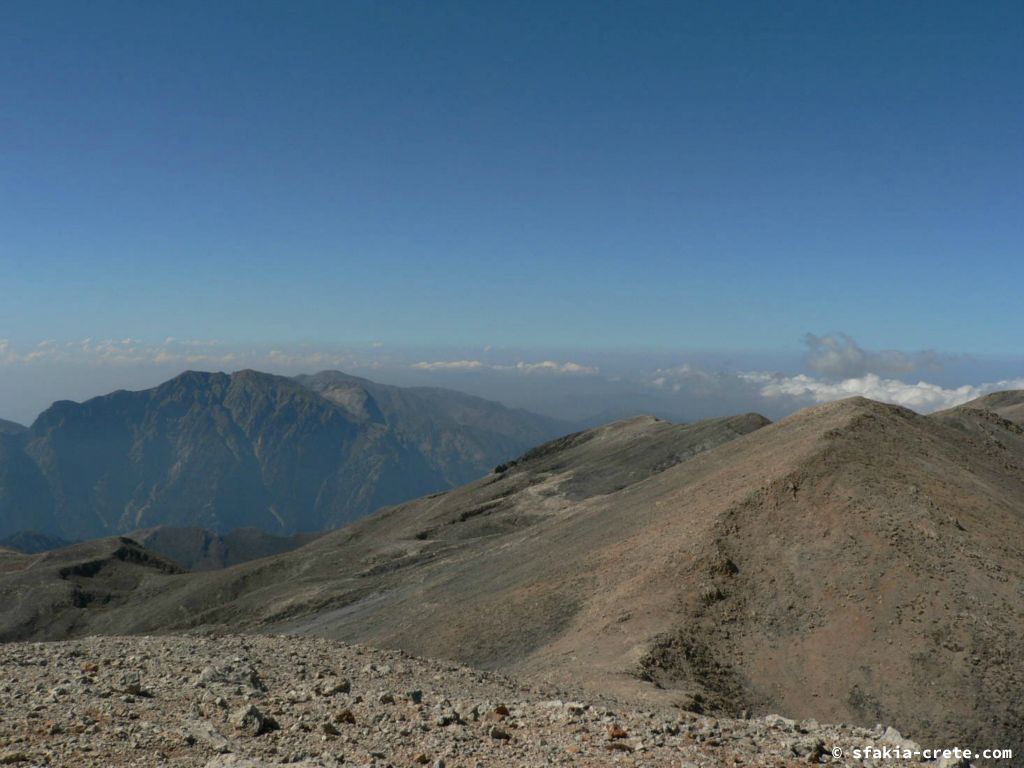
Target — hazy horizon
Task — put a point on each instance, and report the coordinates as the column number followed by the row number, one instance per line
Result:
column 585, row 386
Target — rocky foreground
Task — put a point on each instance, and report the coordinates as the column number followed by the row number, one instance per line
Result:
column 253, row 701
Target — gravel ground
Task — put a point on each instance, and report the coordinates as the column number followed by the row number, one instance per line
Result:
column 253, row 701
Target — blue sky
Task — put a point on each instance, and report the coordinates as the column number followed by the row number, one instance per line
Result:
column 583, row 175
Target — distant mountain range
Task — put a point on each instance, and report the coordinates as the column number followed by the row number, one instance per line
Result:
column 248, row 450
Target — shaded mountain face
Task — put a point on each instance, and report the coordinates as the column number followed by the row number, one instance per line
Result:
column 461, row 435
column 853, row 562
column 26, row 501
column 31, row 542
column 10, row 427
column 249, row 449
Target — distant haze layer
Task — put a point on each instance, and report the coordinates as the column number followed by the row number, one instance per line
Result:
column 579, row 385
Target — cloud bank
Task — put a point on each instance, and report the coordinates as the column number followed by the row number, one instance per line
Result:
column 839, row 368
column 921, row 396
column 545, row 366
column 448, row 365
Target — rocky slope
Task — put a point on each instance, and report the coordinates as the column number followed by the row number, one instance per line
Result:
column 249, row 449
column 854, row 562
column 1009, row 405
column 256, row 702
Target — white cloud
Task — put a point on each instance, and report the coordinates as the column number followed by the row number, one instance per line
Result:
column 837, row 356
column 545, row 366
column 449, row 365
column 783, row 392
column 921, row 396
column 550, row 366
column 681, row 377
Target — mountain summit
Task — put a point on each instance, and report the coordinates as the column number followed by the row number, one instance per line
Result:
column 224, row 451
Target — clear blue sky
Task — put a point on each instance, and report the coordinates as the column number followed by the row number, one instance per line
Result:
column 714, row 175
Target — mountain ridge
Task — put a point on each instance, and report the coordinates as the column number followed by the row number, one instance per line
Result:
column 11, row 427
column 224, row 451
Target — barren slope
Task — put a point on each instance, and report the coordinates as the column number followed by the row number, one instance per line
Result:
column 1009, row 405
column 60, row 593
column 389, row 559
